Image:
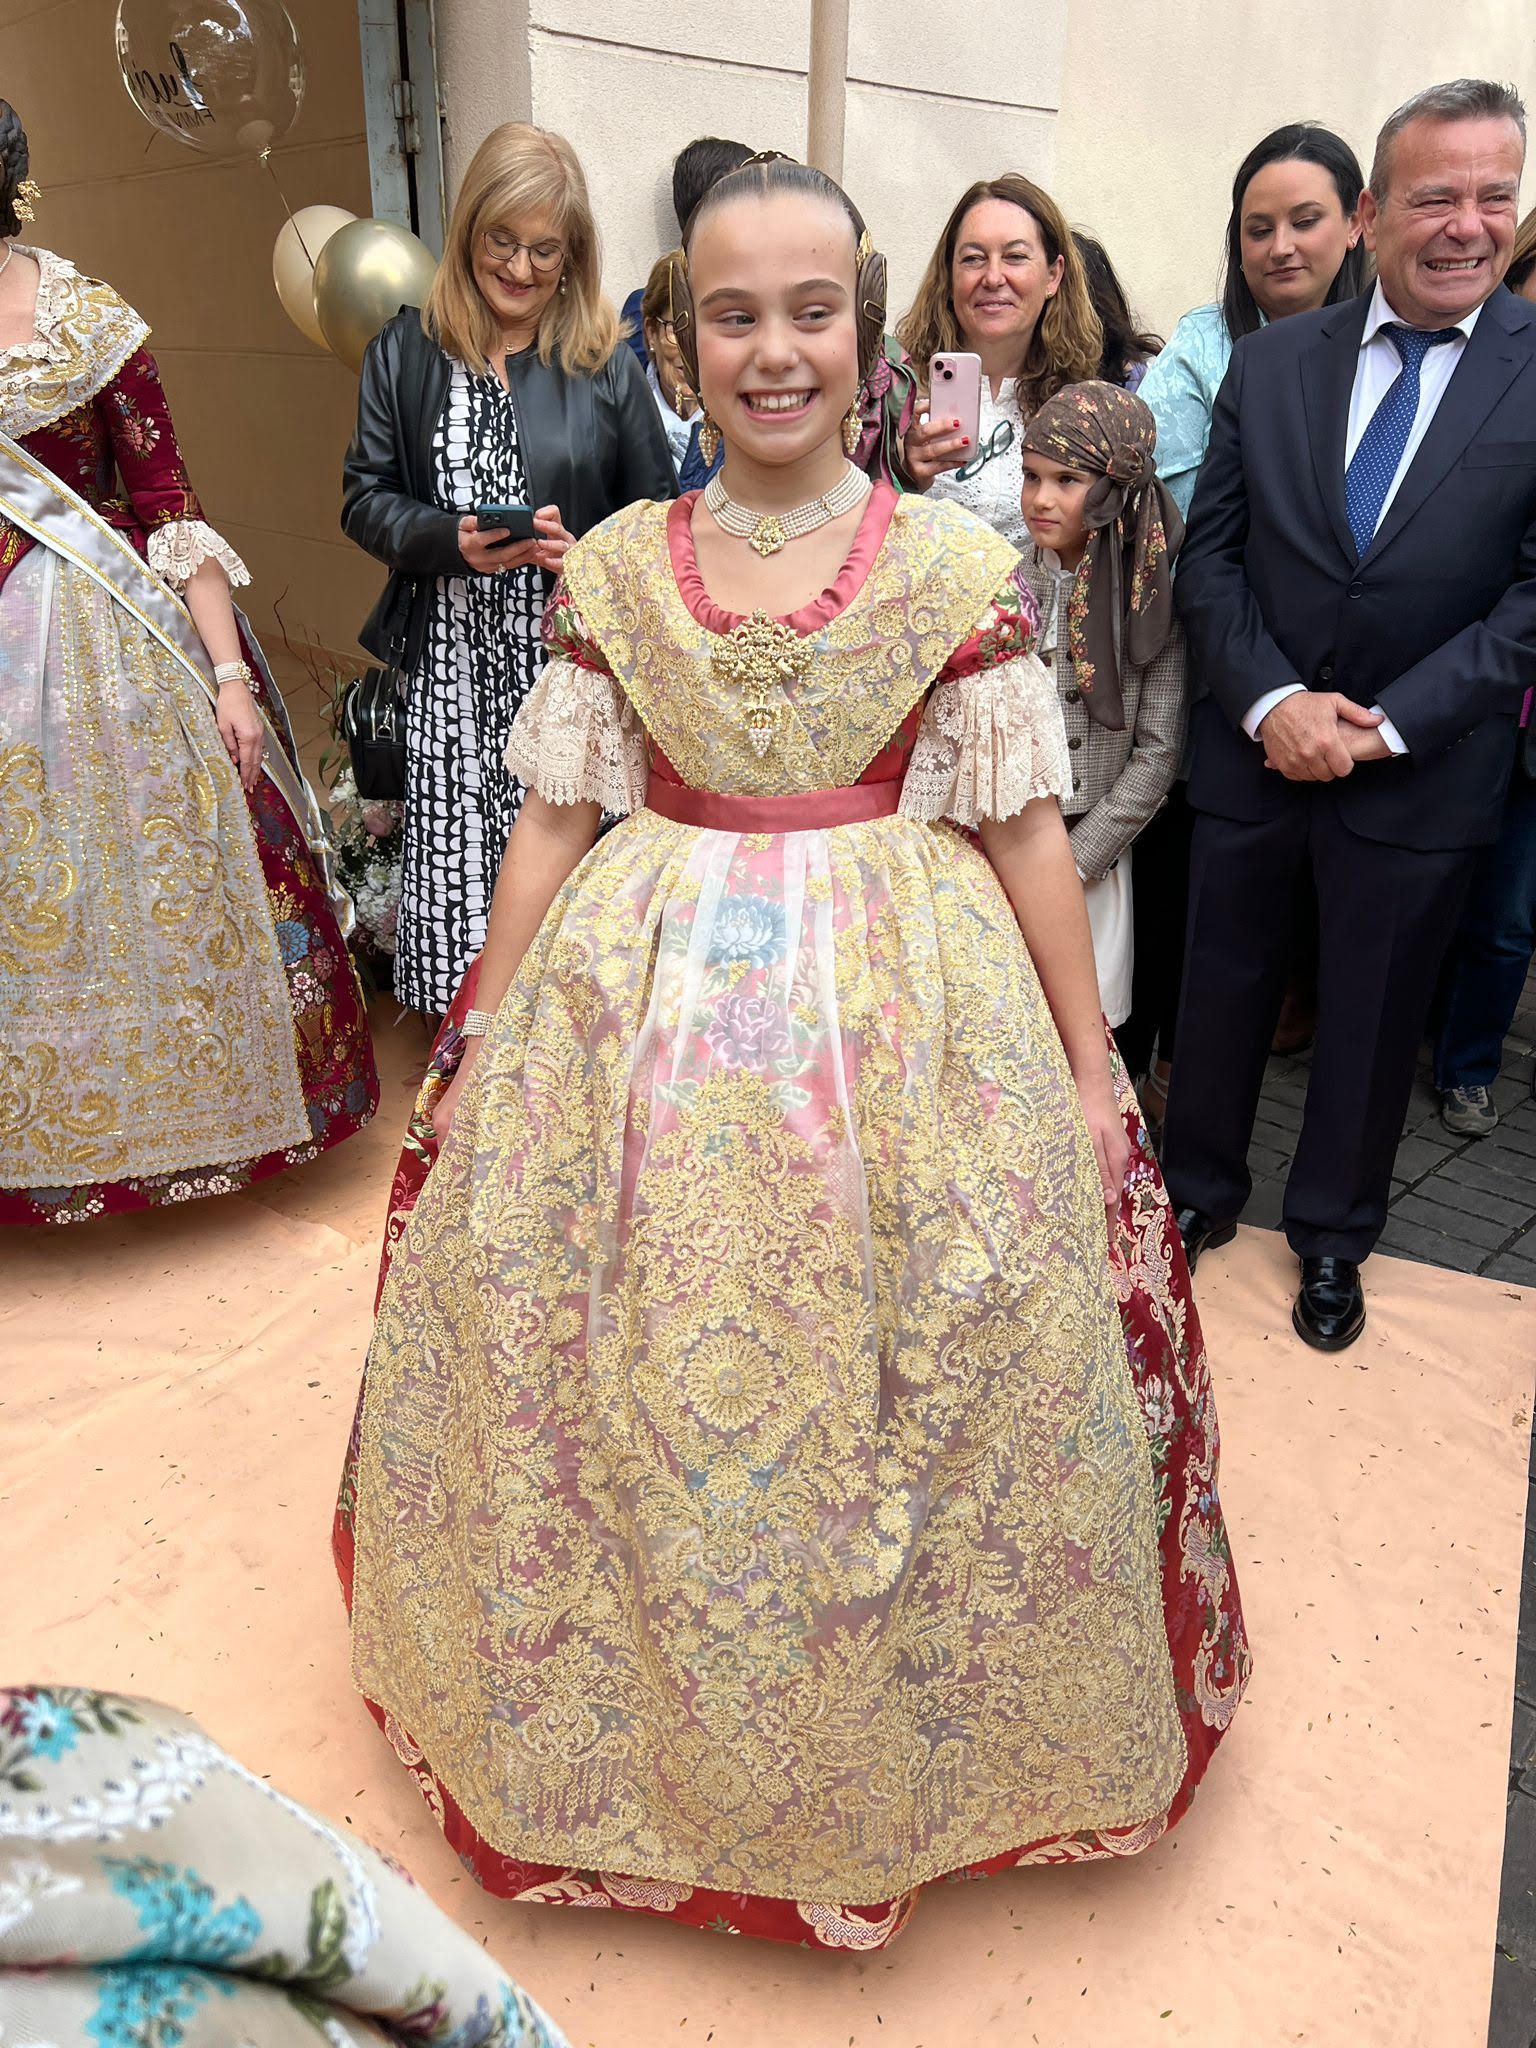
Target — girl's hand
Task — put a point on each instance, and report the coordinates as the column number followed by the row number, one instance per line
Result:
column 446, row 1107
column 554, row 538
column 240, row 729
column 932, row 446
column 1111, row 1147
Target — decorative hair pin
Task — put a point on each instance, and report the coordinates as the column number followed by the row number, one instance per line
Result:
column 27, row 194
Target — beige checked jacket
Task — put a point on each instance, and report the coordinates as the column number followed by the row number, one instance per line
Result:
column 1119, row 779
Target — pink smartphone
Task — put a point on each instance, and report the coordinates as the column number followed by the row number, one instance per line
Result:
column 954, row 391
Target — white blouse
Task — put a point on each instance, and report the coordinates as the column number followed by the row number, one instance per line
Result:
column 994, row 492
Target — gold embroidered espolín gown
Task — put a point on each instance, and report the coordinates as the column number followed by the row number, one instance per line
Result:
column 769, row 1493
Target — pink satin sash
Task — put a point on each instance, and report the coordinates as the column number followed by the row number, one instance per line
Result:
column 812, row 810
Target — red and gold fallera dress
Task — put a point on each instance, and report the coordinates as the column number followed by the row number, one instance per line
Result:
column 179, row 1015
column 770, row 1494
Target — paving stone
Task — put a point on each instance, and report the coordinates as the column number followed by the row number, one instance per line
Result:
column 1419, row 1156
column 1457, row 1224
column 1263, row 1207
column 1512, row 2018
column 1475, row 1170
column 1509, row 1209
column 1522, row 1745
column 1517, row 1906
column 1264, row 1163
column 1511, row 1092
column 1432, row 1247
column 1507, row 1267
column 1276, row 1110
column 1517, row 1136
column 1272, row 1136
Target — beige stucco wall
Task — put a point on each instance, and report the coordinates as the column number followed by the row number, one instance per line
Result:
column 1161, row 104
column 630, row 81
column 263, row 416
column 1136, row 116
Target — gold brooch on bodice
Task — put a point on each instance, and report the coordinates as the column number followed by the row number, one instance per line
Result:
column 759, row 658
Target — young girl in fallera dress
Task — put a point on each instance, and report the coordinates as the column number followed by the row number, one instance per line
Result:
column 772, row 1489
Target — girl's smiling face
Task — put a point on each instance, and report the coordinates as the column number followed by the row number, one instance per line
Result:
column 773, row 287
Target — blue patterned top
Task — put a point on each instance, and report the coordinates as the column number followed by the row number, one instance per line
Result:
column 1181, row 386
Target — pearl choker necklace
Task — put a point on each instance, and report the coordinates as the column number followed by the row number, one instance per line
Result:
column 768, row 532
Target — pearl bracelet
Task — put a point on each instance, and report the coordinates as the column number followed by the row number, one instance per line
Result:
column 233, row 672
column 477, row 1023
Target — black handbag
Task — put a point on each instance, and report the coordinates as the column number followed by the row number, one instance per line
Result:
column 373, row 725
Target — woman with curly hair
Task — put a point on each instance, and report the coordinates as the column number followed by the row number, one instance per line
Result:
column 1006, row 281
column 178, row 1014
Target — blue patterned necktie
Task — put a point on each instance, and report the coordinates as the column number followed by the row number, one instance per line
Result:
column 1374, row 464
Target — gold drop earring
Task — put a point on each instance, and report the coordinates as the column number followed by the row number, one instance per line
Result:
column 709, row 437
column 853, row 429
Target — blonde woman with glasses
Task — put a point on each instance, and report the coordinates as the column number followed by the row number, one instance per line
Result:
column 511, row 388
column 1006, row 283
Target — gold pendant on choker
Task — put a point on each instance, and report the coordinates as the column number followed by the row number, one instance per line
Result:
column 768, row 536
column 759, row 658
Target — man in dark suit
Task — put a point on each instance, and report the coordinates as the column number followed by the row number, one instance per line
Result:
column 1359, row 588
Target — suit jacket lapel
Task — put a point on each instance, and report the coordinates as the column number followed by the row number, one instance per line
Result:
column 1327, row 379
column 1489, row 364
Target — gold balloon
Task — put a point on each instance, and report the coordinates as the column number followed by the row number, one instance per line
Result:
column 293, row 271
column 367, row 271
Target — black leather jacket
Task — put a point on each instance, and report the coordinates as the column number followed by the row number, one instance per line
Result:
column 589, row 444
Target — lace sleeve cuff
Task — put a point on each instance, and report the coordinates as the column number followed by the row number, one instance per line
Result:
column 577, row 740
column 989, row 743
column 180, row 547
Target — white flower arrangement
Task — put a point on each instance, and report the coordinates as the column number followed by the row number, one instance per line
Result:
column 368, row 836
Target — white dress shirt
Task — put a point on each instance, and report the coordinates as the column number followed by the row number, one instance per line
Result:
column 1377, row 370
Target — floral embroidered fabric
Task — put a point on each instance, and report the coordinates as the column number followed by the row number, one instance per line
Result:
column 154, row 1893
column 770, row 1493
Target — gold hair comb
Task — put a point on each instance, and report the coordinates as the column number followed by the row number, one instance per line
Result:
column 28, row 192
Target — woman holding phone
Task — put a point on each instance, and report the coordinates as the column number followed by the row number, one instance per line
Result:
column 1005, row 284
column 494, row 426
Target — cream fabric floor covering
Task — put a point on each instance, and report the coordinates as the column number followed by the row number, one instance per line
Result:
column 174, row 1402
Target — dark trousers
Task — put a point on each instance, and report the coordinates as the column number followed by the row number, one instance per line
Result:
column 1386, row 915
column 1159, row 911
column 1491, row 956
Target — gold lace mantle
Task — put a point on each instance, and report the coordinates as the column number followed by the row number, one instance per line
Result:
column 85, row 334
column 928, row 591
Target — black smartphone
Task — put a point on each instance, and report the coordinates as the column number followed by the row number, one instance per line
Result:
column 517, row 518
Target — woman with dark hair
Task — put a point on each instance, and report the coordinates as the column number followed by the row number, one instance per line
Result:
column 775, row 1487
column 179, row 1015
column 1005, row 281
column 1293, row 245
column 1127, row 350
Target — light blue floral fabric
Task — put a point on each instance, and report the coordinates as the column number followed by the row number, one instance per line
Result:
column 156, row 1894
column 1180, row 387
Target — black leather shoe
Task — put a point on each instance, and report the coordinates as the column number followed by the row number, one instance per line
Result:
column 1330, row 1308
column 1200, row 1234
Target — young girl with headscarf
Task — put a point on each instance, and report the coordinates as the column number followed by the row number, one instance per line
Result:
column 1105, row 533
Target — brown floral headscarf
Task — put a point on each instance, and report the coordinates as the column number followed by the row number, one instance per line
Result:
column 1120, row 608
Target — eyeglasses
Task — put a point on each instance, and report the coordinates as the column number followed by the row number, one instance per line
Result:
column 543, row 257
column 998, row 442
column 666, row 330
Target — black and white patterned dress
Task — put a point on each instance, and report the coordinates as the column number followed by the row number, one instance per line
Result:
column 481, row 657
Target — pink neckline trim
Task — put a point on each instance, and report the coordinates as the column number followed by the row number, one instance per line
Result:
column 837, row 596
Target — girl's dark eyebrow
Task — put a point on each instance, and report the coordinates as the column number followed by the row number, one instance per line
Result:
column 740, row 291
